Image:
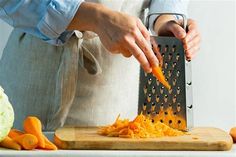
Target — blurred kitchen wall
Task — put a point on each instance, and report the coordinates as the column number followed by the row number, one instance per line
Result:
column 214, row 69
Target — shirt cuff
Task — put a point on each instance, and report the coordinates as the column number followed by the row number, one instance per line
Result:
column 58, row 16
column 166, row 6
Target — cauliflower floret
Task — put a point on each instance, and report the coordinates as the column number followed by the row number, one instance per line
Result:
column 6, row 115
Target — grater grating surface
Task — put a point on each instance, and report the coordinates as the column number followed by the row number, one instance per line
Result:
column 172, row 107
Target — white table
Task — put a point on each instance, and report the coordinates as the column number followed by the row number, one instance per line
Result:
column 108, row 153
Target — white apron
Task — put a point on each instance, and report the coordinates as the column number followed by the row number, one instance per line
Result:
column 80, row 83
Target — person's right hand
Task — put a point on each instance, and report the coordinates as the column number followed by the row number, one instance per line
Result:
column 121, row 33
column 118, row 32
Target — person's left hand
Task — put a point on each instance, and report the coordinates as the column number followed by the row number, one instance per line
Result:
column 191, row 39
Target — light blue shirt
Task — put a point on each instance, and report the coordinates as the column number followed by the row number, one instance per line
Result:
column 48, row 19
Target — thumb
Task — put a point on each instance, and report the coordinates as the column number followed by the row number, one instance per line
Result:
column 176, row 29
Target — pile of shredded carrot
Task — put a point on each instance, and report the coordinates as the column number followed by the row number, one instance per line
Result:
column 140, row 127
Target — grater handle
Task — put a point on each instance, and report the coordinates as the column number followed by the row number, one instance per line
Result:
column 178, row 14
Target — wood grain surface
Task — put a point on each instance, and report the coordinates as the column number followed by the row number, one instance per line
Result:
column 199, row 139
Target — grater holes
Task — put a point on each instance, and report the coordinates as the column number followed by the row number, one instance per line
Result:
column 174, row 65
column 163, row 55
column 153, row 89
column 166, row 48
column 163, row 72
column 177, row 56
column 153, row 120
column 166, row 65
column 144, row 106
column 161, row 121
column 173, row 49
column 174, row 82
column 170, row 121
column 178, row 73
column 149, row 97
column 157, row 98
column 166, row 113
column 162, row 90
column 170, row 91
column 169, row 73
column 153, row 106
column 165, row 98
column 157, row 82
column 170, row 56
column 145, row 89
column 178, row 90
column 174, row 99
column 162, row 107
column 149, row 80
column 179, row 122
column 178, row 107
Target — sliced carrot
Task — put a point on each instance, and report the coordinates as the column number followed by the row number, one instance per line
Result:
column 27, row 141
column 14, row 133
column 33, row 126
column 10, row 143
column 157, row 72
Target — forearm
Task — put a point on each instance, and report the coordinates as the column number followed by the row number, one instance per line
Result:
column 87, row 17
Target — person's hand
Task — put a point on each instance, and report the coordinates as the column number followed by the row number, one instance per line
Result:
column 121, row 33
column 118, row 32
column 166, row 25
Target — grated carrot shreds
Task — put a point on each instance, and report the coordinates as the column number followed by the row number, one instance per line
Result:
column 140, row 127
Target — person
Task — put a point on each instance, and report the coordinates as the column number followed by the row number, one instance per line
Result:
column 60, row 65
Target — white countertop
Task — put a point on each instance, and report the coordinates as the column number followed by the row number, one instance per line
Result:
column 113, row 153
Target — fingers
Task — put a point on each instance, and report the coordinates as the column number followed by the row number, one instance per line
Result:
column 157, row 51
column 192, row 40
column 126, row 53
column 176, row 29
column 195, row 41
column 143, row 41
column 143, row 30
column 191, row 53
column 192, row 31
column 139, row 55
column 147, row 50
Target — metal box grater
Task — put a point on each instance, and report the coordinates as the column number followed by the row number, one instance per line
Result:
column 173, row 107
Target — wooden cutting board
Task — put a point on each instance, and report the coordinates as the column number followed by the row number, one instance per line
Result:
column 87, row 138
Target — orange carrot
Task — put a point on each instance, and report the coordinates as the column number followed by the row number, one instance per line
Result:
column 27, row 141
column 157, row 72
column 10, row 143
column 33, row 126
column 140, row 127
column 49, row 145
column 14, row 133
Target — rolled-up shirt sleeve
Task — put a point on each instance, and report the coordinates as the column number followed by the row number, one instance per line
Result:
column 45, row 19
column 166, row 6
